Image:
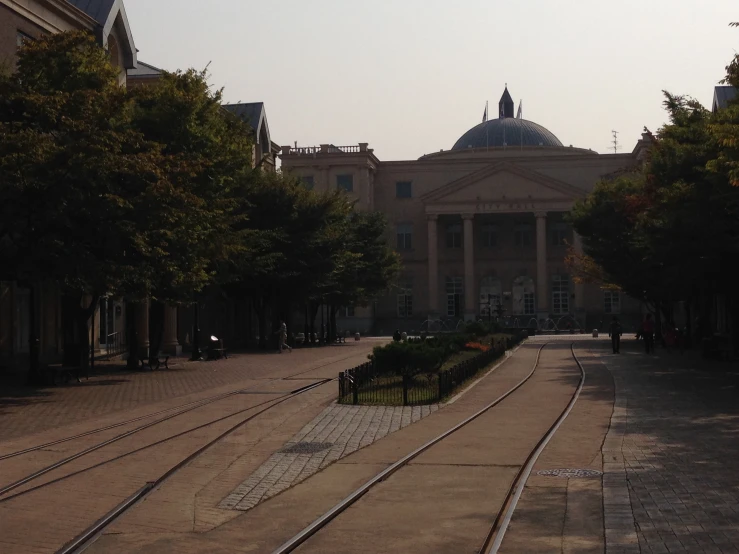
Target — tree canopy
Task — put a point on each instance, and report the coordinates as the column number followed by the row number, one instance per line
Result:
column 669, row 231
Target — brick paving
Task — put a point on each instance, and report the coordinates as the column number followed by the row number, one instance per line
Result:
column 671, row 456
column 332, row 435
column 24, row 410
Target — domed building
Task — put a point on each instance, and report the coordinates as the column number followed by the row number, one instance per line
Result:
column 480, row 228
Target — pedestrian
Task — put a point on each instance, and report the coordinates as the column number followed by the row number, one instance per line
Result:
column 648, row 329
column 282, row 333
column 397, row 336
column 615, row 332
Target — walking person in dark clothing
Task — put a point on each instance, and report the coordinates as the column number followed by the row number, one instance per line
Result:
column 648, row 328
column 615, row 332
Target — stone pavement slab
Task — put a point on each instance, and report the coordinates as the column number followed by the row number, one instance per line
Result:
column 25, row 411
column 672, row 455
column 332, row 435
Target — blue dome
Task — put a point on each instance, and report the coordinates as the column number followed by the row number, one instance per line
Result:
column 514, row 132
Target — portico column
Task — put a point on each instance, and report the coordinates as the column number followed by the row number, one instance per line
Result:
column 142, row 327
column 469, row 268
column 542, row 296
column 170, row 344
column 433, row 266
column 579, row 287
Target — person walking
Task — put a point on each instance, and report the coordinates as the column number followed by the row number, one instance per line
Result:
column 615, row 332
column 282, row 332
column 648, row 328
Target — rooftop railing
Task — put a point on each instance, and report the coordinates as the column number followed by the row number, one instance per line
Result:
column 325, row 149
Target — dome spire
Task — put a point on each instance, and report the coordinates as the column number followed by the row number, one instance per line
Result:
column 506, row 106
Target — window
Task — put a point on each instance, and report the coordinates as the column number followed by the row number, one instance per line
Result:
column 349, row 312
column 345, row 182
column 405, row 236
column 558, row 234
column 522, row 235
column 308, row 181
column 489, row 236
column 405, row 300
column 454, row 235
column 454, row 292
column 21, row 38
column 561, row 294
column 523, row 296
column 403, row 189
column 611, row 302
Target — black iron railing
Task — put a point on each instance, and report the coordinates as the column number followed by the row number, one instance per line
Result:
column 364, row 384
column 114, row 345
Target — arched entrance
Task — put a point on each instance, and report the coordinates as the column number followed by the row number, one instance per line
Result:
column 490, row 295
column 524, row 296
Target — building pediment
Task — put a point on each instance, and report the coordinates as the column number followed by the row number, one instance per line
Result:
column 503, row 181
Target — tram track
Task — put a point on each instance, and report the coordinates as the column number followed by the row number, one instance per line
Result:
column 497, row 530
column 171, row 414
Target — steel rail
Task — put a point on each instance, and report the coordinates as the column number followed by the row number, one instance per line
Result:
column 322, row 521
column 157, row 443
column 189, row 405
column 495, row 536
column 89, row 535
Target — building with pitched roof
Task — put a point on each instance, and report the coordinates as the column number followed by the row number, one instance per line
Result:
column 479, row 227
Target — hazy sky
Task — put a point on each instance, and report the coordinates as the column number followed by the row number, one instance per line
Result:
column 411, row 76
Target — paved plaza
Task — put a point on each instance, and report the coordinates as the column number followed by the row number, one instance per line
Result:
column 662, row 429
column 332, row 435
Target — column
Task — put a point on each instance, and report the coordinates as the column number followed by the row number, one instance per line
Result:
column 433, row 244
column 170, row 344
column 142, row 327
column 469, row 268
column 579, row 287
column 542, row 290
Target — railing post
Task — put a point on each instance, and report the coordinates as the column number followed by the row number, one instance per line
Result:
column 341, row 386
column 441, row 385
column 405, row 390
column 355, row 390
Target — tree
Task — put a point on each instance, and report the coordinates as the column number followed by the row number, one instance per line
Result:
column 212, row 151
column 91, row 199
column 370, row 265
column 670, row 231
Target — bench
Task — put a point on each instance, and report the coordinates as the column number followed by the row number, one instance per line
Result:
column 154, row 363
column 217, row 353
column 63, row 373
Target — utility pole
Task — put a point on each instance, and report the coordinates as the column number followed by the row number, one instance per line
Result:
column 615, row 141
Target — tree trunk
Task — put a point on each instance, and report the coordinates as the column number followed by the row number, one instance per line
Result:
column 313, row 312
column 156, row 327
column 261, row 322
column 132, row 337
column 34, row 373
column 306, row 326
column 332, row 323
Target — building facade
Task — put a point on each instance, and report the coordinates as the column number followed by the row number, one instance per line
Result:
column 480, row 228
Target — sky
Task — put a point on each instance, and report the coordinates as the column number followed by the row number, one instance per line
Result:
column 409, row 77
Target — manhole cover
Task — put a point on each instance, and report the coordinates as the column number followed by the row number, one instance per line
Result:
column 306, row 447
column 570, row 473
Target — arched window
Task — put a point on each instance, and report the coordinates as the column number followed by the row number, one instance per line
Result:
column 523, row 296
column 561, row 294
column 490, row 295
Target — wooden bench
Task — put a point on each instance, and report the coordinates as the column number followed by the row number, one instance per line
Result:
column 64, row 374
column 154, row 363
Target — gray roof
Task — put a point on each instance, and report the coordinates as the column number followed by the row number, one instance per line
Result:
column 722, row 95
column 251, row 112
column 512, row 131
column 145, row 70
column 109, row 14
column 99, row 10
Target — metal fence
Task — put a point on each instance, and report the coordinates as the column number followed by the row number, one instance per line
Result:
column 365, row 385
column 114, row 345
